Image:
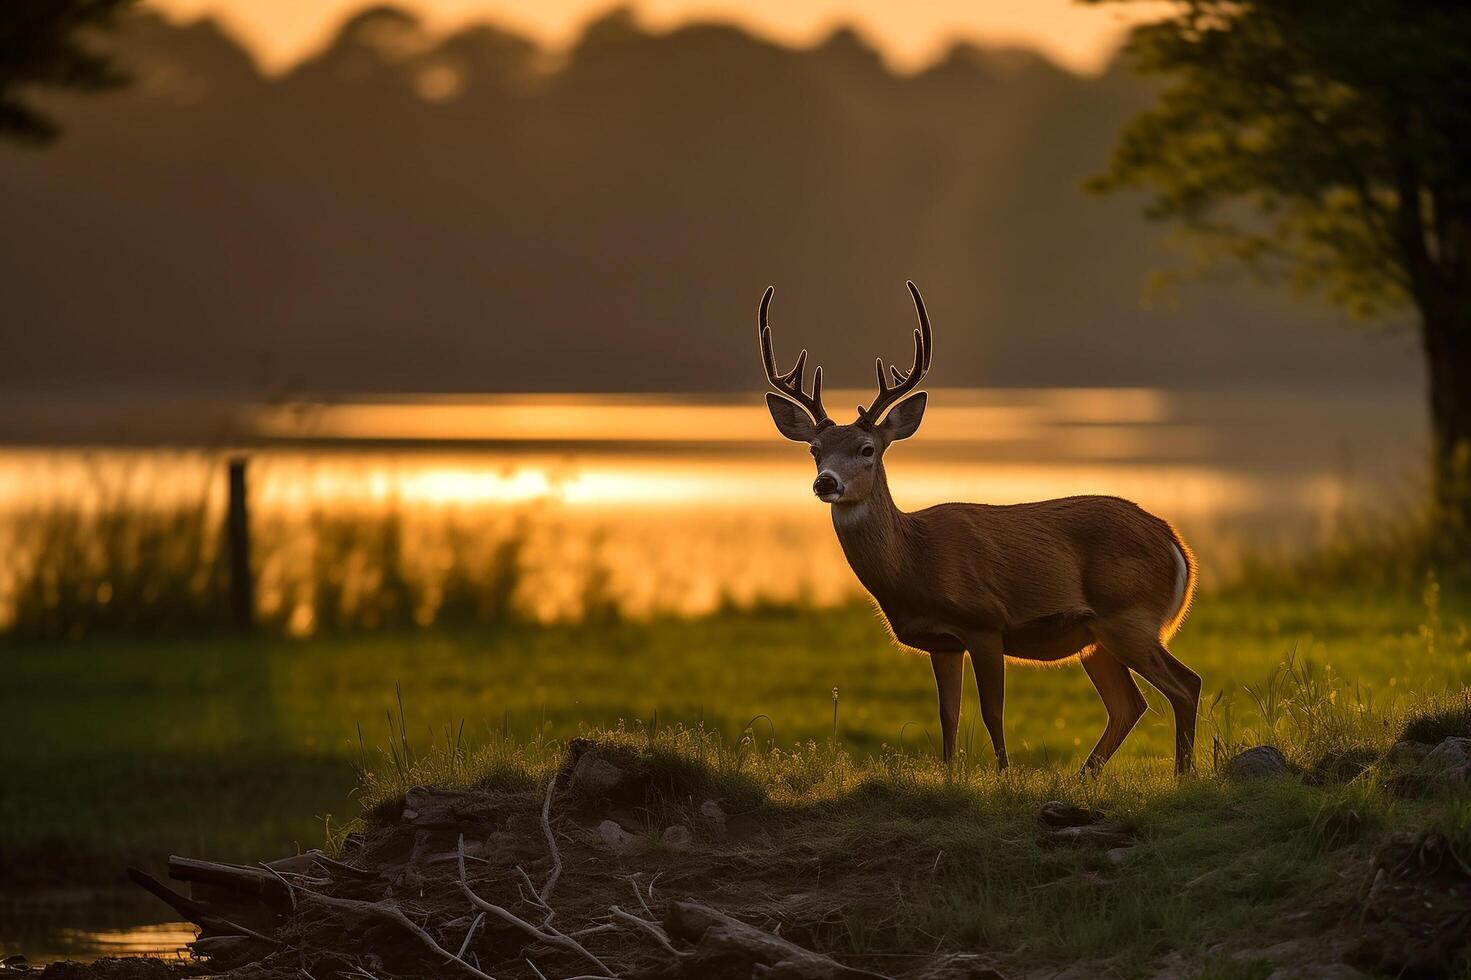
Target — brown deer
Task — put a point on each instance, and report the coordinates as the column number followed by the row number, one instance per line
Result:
column 1091, row 577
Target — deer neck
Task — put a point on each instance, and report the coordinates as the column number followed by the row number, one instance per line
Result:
column 872, row 533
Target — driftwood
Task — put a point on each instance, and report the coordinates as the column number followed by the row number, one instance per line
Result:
column 727, row 947
column 201, row 914
column 261, row 915
column 247, row 882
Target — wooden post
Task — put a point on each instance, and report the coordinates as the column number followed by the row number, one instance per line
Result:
column 237, row 546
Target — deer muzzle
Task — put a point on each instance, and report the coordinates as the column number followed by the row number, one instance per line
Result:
column 828, row 487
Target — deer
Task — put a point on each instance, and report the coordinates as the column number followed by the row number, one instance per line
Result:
column 1090, row 578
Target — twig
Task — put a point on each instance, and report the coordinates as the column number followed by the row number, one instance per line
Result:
column 534, row 969
column 546, row 933
column 535, row 897
column 633, row 880
column 344, row 867
column 290, row 892
column 393, row 912
column 593, row 930
column 473, row 926
column 651, row 928
column 546, row 828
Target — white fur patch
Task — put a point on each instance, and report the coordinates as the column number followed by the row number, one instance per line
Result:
column 1182, row 578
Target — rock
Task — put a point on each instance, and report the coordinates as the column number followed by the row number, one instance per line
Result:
column 1103, row 837
column 618, row 840
column 959, row 966
column 1056, row 813
column 1172, row 967
column 1317, row 971
column 1285, row 950
column 1450, row 758
column 676, row 836
column 1117, row 855
column 714, row 816
column 593, row 776
column 1408, row 753
column 1261, row 762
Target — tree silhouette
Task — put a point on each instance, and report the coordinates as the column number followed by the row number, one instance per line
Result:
column 43, row 44
column 1327, row 141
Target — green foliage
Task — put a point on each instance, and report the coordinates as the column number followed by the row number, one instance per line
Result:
column 45, row 44
column 1309, row 140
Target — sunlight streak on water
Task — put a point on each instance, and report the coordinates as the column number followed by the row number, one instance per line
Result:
column 683, row 503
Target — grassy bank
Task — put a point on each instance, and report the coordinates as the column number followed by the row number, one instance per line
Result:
column 125, row 749
column 888, row 860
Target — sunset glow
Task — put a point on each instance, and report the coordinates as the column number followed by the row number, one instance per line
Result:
column 1083, row 38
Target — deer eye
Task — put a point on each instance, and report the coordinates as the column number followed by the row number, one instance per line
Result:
column 867, row 450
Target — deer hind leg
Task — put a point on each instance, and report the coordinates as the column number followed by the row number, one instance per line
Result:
column 1136, row 645
column 949, row 682
column 1121, row 698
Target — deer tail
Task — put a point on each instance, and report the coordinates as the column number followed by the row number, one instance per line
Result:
column 1187, row 577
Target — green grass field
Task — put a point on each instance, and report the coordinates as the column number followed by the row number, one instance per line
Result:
column 126, row 750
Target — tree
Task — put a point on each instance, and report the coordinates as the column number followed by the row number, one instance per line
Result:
column 1327, row 142
column 43, row 44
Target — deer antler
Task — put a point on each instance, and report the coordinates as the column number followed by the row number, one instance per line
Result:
column 904, row 383
column 790, row 384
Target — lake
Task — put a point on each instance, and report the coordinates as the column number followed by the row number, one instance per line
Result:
column 682, row 504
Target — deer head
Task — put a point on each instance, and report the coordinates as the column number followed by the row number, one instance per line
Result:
column 848, row 457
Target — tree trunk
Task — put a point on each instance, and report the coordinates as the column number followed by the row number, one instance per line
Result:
column 1447, row 342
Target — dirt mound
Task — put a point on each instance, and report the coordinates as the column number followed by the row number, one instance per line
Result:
column 1415, row 920
column 496, row 883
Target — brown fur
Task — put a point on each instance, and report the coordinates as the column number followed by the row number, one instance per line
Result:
column 1037, row 578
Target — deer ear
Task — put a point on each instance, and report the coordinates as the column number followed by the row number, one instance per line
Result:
column 904, row 418
column 790, row 420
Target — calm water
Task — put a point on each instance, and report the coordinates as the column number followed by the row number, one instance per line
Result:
column 678, row 503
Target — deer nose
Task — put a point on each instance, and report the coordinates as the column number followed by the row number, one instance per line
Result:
column 826, row 484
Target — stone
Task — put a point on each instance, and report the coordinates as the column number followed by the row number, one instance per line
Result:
column 1172, row 967
column 618, row 840
column 1103, row 837
column 1407, row 753
column 1261, row 762
column 1117, row 855
column 1449, row 757
column 593, row 776
column 1317, row 971
column 1056, row 813
column 713, row 816
column 959, row 966
column 676, row 836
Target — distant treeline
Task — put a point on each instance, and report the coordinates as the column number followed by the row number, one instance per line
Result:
column 412, row 212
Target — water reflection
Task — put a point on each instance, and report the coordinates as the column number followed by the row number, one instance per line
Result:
column 50, row 945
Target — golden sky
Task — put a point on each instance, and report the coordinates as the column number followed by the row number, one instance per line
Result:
column 909, row 33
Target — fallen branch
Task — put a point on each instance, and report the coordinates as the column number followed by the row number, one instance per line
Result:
column 388, row 910
column 652, row 928
column 196, row 912
column 718, row 939
column 547, row 934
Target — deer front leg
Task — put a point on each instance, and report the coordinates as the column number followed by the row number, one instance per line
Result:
column 949, row 681
column 989, row 665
